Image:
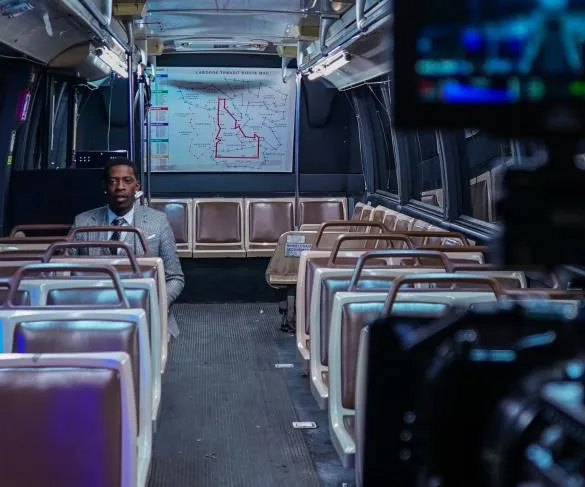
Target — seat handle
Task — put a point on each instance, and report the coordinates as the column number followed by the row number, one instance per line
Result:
column 348, row 223
column 388, row 237
column 399, row 282
column 438, row 233
column 91, row 244
column 23, row 228
column 417, row 254
column 17, row 277
column 110, row 228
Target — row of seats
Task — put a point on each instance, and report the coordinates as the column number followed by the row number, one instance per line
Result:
column 283, row 267
column 241, row 227
column 73, row 330
column 388, row 264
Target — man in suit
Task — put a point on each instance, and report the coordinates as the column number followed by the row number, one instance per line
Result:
column 120, row 179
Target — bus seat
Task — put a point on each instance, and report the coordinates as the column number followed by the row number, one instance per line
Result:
column 266, row 220
column 353, row 310
column 320, row 210
column 419, row 226
column 78, row 330
column 80, row 336
column 309, row 262
column 358, row 211
column 180, row 215
column 218, row 227
column 91, row 446
column 391, row 219
column 144, row 263
column 141, row 293
column 333, row 256
column 403, row 223
column 329, row 281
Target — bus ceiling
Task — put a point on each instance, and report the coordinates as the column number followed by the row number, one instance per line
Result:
column 345, row 43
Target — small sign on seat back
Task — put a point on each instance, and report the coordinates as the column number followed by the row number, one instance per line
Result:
column 295, row 245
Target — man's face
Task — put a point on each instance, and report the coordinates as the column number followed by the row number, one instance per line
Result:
column 121, row 186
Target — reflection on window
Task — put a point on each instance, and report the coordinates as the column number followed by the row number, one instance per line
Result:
column 427, row 183
column 386, row 175
column 488, row 158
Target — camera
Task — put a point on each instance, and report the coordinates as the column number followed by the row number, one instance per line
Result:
column 490, row 396
column 513, row 68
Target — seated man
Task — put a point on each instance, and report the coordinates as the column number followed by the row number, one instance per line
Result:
column 121, row 183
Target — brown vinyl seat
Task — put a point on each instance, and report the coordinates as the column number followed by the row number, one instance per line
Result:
column 138, row 298
column 218, row 227
column 81, row 336
column 140, row 294
column 180, row 215
column 67, row 420
column 266, row 220
column 320, row 210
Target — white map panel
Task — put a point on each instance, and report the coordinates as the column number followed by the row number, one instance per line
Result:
column 222, row 120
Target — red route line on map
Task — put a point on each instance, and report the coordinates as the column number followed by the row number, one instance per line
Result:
column 236, row 126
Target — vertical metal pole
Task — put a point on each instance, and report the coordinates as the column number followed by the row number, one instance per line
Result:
column 297, row 146
column 50, row 122
column 129, row 55
column 72, row 132
column 148, row 154
column 140, row 131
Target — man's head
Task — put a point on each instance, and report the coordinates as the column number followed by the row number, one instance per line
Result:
column 121, row 183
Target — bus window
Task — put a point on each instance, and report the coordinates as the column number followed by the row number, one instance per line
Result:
column 386, row 176
column 488, row 158
column 427, row 184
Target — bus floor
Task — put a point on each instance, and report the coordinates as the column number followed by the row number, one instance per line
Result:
column 227, row 410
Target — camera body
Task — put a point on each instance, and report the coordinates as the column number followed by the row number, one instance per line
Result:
column 459, row 402
column 514, row 69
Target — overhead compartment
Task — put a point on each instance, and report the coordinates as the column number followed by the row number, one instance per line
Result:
column 43, row 29
column 352, row 50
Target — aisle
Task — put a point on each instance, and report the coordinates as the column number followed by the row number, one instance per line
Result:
column 226, row 417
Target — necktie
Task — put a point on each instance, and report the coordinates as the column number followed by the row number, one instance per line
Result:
column 118, row 222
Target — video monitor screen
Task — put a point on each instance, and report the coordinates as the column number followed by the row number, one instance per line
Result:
column 499, row 52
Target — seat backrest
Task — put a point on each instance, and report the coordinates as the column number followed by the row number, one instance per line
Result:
column 320, row 210
column 76, row 328
column 419, row 226
column 178, row 214
column 67, row 420
column 137, row 297
column 390, row 220
column 144, row 263
column 267, row 219
column 218, row 222
column 314, row 263
column 80, row 336
column 218, row 227
column 332, row 285
column 355, row 316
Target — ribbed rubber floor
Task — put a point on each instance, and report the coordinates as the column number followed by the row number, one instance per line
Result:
column 226, row 417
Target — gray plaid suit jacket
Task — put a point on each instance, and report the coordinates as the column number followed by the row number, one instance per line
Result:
column 160, row 240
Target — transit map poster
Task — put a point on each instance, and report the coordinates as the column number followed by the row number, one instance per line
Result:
column 222, row 120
